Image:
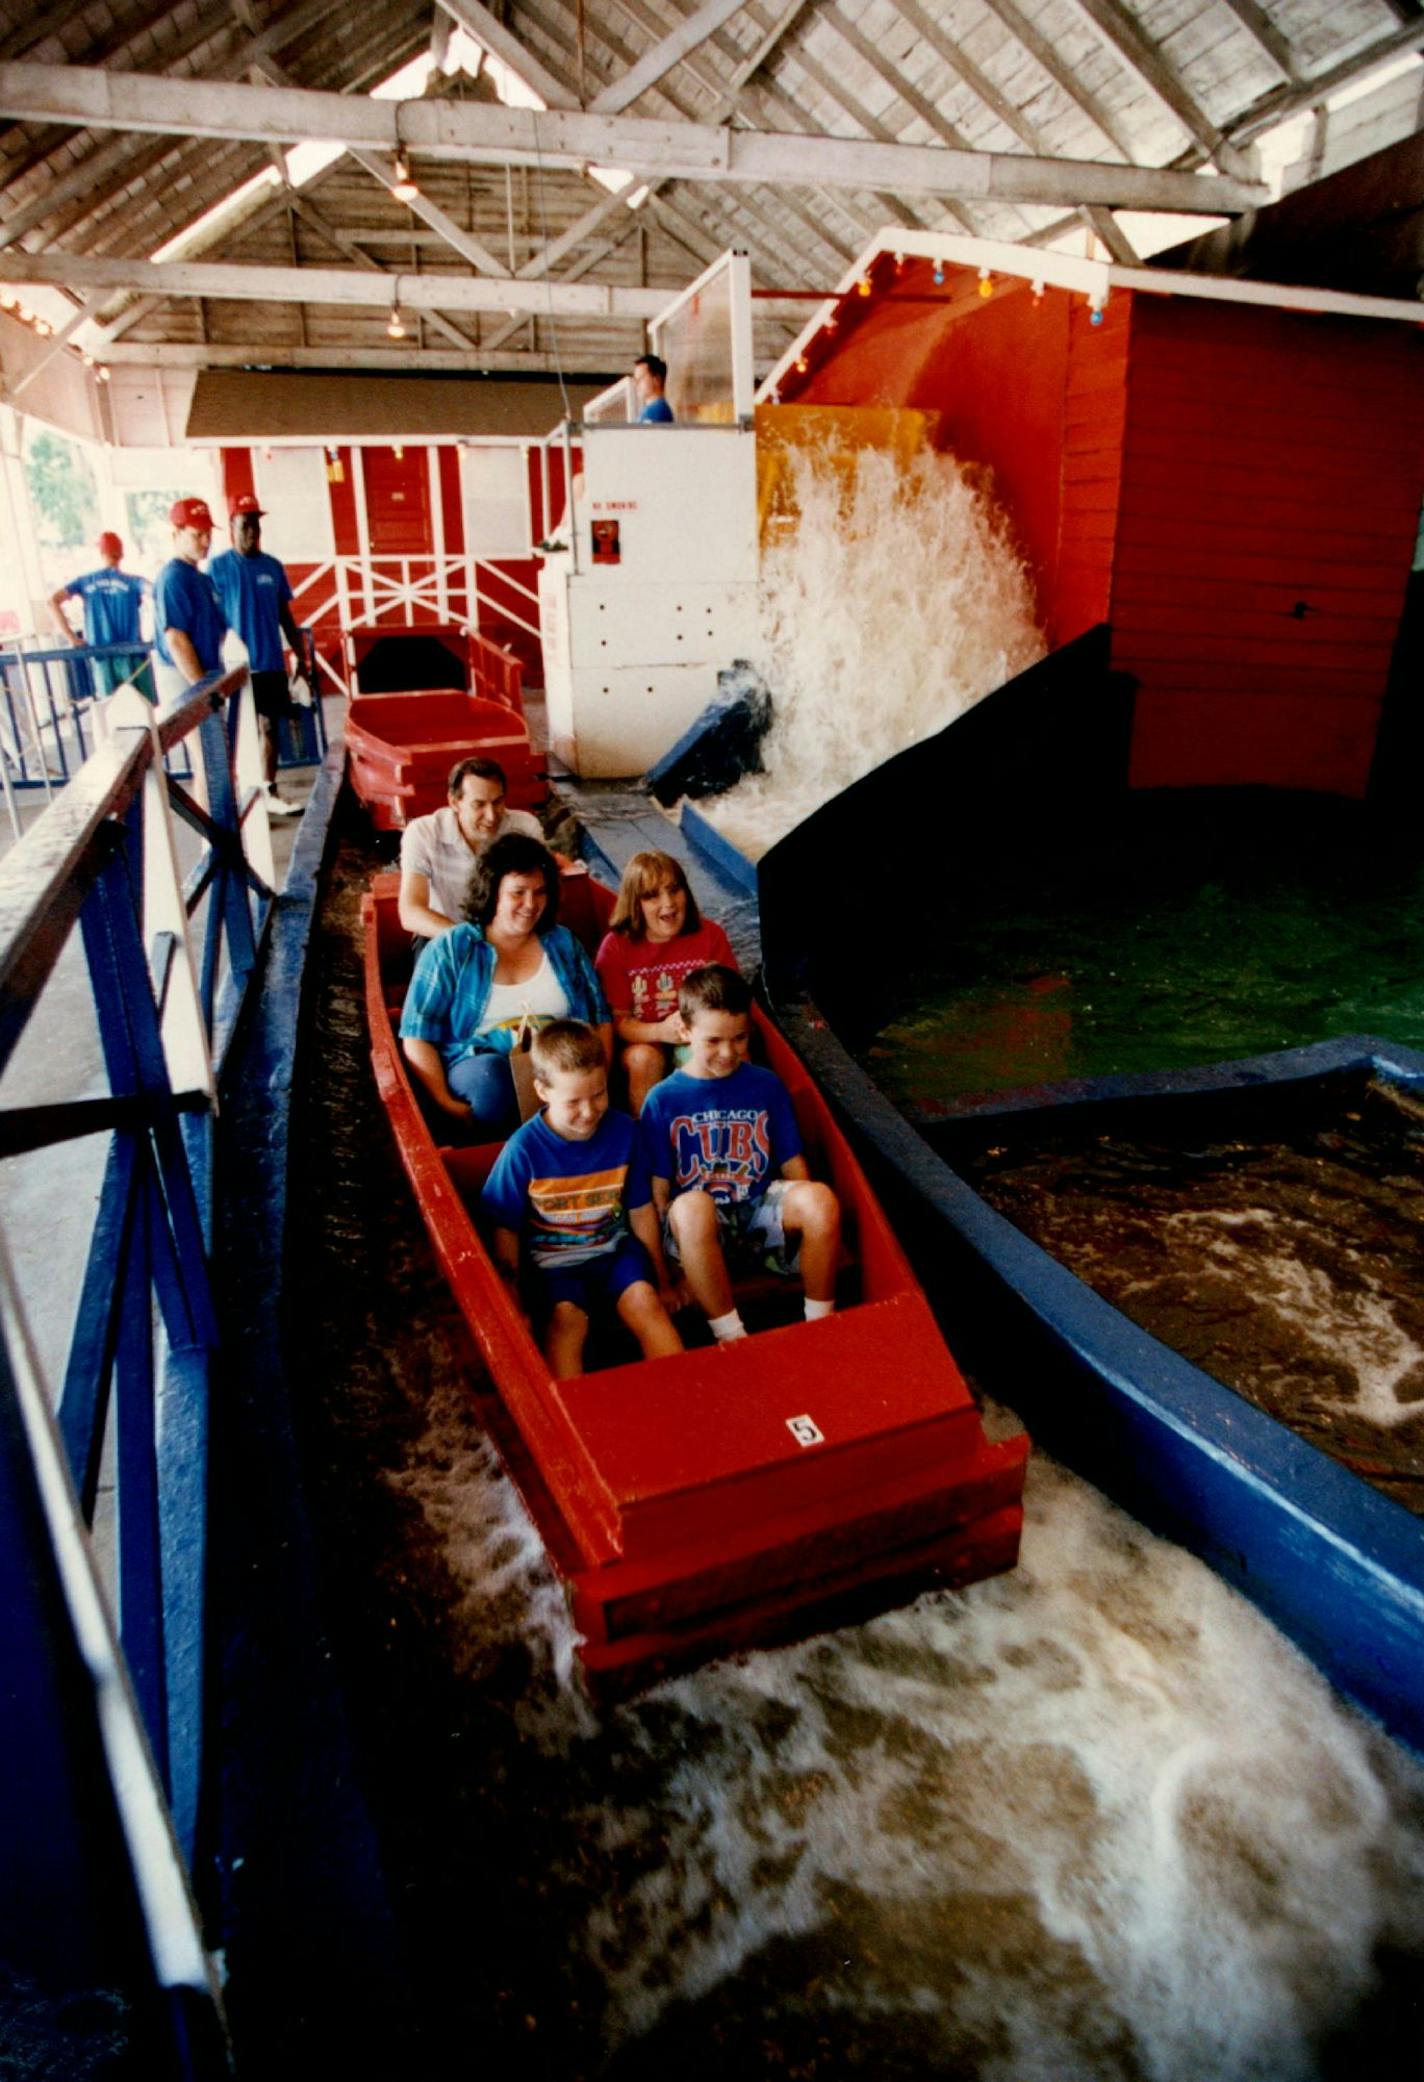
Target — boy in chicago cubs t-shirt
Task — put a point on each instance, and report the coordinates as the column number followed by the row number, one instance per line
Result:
column 564, row 1193
column 728, row 1172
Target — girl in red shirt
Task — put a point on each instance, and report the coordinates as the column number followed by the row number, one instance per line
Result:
column 656, row 936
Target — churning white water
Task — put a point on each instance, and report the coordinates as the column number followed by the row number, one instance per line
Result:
column 892, row 606
column 1093, row 1819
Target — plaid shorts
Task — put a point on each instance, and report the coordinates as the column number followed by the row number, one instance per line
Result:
column 750, row 1231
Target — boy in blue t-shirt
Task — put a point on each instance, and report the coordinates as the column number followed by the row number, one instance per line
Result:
column 564, row 1193
column 727, row 1167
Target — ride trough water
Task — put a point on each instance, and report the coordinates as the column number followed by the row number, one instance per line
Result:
column 722, row 1496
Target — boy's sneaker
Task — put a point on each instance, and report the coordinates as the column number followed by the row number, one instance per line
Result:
column 276, row 807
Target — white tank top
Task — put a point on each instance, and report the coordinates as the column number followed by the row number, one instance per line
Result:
column 541, row 996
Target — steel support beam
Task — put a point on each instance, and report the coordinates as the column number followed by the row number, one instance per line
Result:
column 478, row 133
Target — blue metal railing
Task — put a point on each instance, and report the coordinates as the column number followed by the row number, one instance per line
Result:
column 170, row 959
column 48, row 699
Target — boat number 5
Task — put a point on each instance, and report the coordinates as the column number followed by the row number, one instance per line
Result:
column 806, row 1431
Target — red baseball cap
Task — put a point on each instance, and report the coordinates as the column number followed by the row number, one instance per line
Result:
column 245, row 502
column 190, row 513
column 109, row 544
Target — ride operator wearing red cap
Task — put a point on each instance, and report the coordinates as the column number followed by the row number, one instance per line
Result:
column 189, row 625
column 110, row 600
column 255, row 596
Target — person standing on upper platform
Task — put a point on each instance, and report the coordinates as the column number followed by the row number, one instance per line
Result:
column 649, row 376
column 255, row 594
column 188, row 622
column 110, row 599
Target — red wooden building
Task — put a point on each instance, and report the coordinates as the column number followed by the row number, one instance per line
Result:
column 1230, row 474
column 398, row 508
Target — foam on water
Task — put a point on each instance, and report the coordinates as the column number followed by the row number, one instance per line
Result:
column 894, row 605
column 1094, row 1818
column 1329, row 1317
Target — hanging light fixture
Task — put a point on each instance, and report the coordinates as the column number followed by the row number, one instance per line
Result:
column 403, row 188
column 395, row 325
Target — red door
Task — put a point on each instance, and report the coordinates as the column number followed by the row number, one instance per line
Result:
column 398, row 501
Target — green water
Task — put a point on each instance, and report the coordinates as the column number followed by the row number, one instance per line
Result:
column 1201, row 931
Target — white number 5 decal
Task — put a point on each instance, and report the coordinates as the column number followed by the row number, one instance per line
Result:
column 806, row 1431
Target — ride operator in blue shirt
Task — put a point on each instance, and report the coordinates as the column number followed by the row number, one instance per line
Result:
column 188, row 624
column 256, row 598
column 649, row 376
column 110, row 599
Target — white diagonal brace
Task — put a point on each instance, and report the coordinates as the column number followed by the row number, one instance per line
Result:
column 53, row 349
column 703, row 22
column 488, row 30
column 463, row 242
column 325, row 229
column 481, row 133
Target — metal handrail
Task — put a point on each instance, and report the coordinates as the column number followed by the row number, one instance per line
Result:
column 102, row 858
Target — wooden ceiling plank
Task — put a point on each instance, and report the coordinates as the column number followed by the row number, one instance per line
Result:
column 44, row 22
column 660, row 59
column 1262, row 30
column 1120, row 33
column 1043, row 52
column 96, row 166
column 1282, row 102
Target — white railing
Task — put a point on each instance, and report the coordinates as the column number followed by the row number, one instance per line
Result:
column 366, row 592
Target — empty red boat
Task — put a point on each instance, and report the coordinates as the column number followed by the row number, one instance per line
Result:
column 401, row 748
column 723, row 1496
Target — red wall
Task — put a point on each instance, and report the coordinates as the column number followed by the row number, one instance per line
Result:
column 400, row 523
column 1273, row 467
column 1237, row 489
column 1094, row 414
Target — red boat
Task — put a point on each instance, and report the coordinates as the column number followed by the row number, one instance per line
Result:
column 722, row 1497
column 401, row 747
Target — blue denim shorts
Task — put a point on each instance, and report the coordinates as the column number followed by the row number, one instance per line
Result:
column 603, row 1278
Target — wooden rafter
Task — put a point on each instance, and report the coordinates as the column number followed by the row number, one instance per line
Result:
column 1122, row 34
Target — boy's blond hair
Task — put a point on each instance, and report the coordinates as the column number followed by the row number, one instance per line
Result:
column 565, row 1044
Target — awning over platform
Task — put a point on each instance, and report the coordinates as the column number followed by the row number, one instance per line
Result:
column 241, row 405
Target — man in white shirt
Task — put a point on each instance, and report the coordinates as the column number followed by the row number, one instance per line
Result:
column 438, row 851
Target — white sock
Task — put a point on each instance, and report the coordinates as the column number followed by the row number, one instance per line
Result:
column 724, row 1328
column 816, row 1309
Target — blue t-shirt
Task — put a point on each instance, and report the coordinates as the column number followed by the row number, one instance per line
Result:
column 568, row 1201
column 657, row 412
column 183, row 598
column 111, row 604
column 253, row 591
column 727, row 1136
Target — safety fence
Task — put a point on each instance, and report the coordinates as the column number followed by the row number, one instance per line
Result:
column 48, row 702
column 166, row 888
